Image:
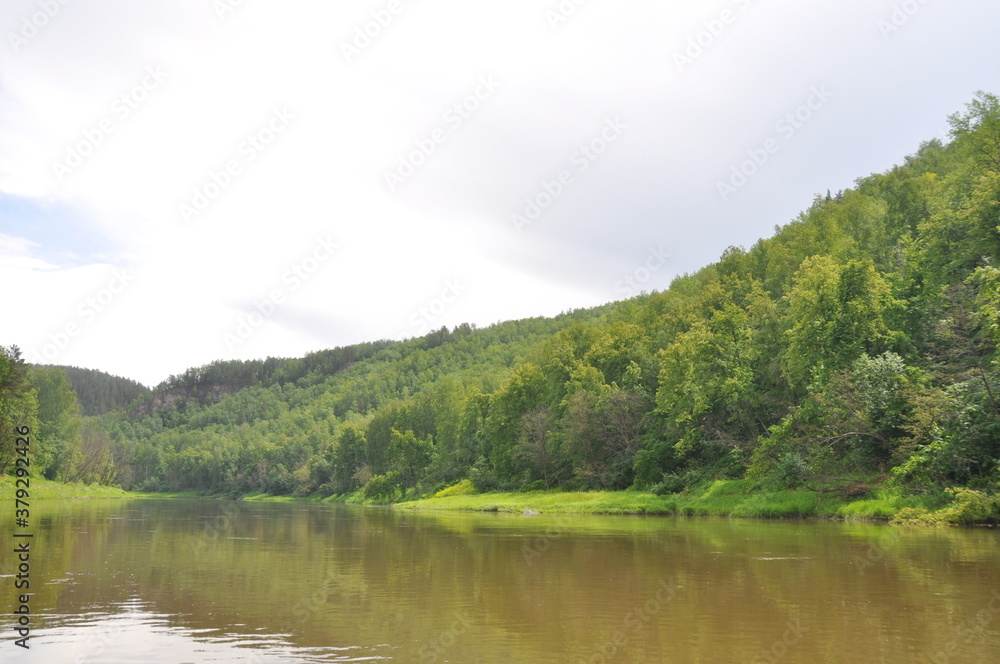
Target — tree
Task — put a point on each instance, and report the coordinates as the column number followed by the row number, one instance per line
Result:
column 95, row 463
column 987, row 278
column 18, row 404
column 522, row 392
column 534, row 445
column 411, row 456
column 707, row 374
column 978, row 129
column 59, row 419
column 602, row 436
column 834, row 313
column 348, row 456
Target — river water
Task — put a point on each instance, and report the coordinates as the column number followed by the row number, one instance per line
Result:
column 177, row 581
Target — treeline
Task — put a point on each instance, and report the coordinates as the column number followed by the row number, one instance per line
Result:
column 239, row 374
column 856, row 346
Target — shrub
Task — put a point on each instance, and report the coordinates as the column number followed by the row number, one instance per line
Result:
column 671, row 483
column 383, row 487
column 791, row 470
column 462, row 488
column 968, row 507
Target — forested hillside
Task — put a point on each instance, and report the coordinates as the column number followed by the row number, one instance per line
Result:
column 858, row 345
column 98, row 392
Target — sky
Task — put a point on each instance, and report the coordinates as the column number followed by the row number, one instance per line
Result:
column 198, row 180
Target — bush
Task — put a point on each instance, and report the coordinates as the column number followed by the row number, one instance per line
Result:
column 968, row 507
column 463, row 488
column 582, row 482
column 971, row 507
column 280, row 482
column 791, row 470
column 483, row 479
column 671, row 483
column 383, row 488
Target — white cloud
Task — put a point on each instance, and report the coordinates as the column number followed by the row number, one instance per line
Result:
column 324, row 174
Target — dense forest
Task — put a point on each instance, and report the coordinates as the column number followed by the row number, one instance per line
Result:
column 857, row 345
column 98, row 393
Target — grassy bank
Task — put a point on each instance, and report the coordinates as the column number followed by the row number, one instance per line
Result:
column 737, row 498
column 41, row 489
column 727, row 498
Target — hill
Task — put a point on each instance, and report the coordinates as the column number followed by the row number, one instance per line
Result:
column 856, row 347
column 98, row 392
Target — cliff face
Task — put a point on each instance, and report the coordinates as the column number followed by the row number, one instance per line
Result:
column 206, row 393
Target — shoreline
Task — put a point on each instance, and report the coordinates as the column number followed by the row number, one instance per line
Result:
column 740, row 499
column 737, row 499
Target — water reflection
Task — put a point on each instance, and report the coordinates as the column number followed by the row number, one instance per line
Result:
column 206, row 581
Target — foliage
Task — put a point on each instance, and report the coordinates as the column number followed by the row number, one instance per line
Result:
column 462, row 488
column 384, row 488
column 968, row 507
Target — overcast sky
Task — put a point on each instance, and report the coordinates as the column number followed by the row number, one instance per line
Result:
column 195, row 180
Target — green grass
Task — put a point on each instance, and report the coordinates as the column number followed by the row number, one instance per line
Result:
column 462, row 488
column 41, row 489
column 721, row 498
column 552, row 502
column 736, row 498
column 885, row 504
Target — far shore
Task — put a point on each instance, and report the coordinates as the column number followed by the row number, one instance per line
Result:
column 723, row 498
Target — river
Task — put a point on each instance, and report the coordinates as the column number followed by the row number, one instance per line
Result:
column 177, row 581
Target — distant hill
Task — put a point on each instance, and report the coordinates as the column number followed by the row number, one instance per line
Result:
column 99, row 392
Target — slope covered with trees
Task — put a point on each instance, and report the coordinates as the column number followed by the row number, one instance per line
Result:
column 98, row 392
column 855, row 347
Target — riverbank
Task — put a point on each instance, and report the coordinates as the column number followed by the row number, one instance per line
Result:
column 734, row 498
column 723, row 498
column 42, row 489
column 747, row 499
